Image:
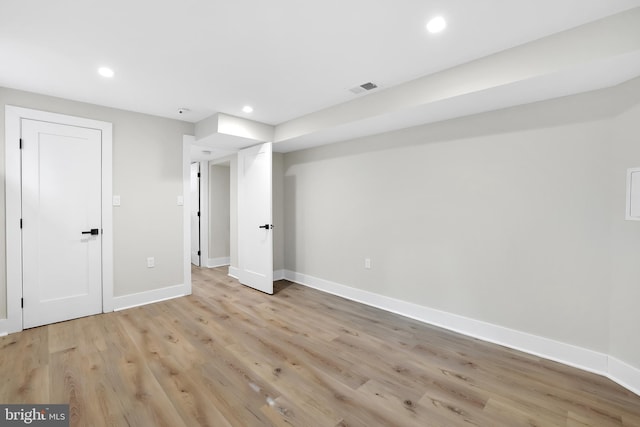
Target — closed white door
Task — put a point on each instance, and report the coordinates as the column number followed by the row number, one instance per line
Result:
column 255, row 236
column 61, row 222
column 195, row 214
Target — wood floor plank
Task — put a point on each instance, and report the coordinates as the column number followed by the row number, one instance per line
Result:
column 69, row 386
column 236, row 392
column 25, row 365
column 103, row 394
column 189, row 396
column 232, row 356
column 144, row 401
column 64, row 335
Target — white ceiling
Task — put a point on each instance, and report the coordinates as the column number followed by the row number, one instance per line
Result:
column 286, row 58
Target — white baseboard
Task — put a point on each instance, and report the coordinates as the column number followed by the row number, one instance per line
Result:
column 148, row 297
column 278, row 275
column 11, row 325
column 568, row 354
column 624, row 374
column 234, row 272
column 218, row 262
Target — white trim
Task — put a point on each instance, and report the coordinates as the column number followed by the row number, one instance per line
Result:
column 578, row 357
column 148, row 297
column 204, row 213
column 12, row 217
column 218, row 262
column 278, row 275
column 4, row 327
column 107, row 219
column 234, row 272
column 186, row 202
column 628, row 212
column 13, row 116
column 624, row 374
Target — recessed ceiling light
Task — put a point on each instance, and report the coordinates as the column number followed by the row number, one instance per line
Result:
column 247, row 109
column 105, row 72
column 437, row 24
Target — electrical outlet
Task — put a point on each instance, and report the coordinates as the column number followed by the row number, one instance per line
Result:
column 151, row 262
column 367, row 263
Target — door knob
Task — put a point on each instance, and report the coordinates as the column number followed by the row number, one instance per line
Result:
column 93, row 231
column 266, row 226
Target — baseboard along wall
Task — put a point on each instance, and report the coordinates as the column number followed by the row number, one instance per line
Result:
column 218, row 262
column 578, row 357
column 148, row 297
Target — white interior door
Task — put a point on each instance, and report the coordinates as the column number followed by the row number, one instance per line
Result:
column 195, row 214
column 61, row 222
column 255, row 238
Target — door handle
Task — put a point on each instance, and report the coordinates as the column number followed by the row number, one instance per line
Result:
column 93, row 231
column 266, row 226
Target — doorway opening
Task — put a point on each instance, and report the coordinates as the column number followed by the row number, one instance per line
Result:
column 220, row 201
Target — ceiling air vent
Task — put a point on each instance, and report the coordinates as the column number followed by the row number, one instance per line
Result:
column 363, row 87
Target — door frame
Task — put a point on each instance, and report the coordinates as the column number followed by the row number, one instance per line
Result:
column 190, row 207
column 204, row 214
column 13, row 118
column 187, row 140
column 203, row 194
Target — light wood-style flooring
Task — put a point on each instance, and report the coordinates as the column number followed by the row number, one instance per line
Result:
column 232, row 356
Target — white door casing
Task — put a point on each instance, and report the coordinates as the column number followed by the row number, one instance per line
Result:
column 61, row 199
column 13, row 123
column 195, row 214
column 255, row 237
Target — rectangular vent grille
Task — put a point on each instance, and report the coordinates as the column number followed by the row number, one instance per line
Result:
column 363, row 88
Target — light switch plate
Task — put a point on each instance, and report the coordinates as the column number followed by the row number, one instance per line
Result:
column 180, row 200
column 633, row 194
column 116, row 200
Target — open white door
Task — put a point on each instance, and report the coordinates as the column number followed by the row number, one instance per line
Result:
column 195, row 214
column 255, row 238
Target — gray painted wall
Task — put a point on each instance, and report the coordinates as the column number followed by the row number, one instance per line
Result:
column 147, row 174
column 219, row 211
column 278, row 210
column 625, row 283
column 503, row 217
column 233, row 186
